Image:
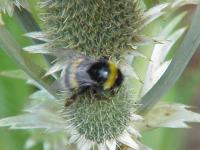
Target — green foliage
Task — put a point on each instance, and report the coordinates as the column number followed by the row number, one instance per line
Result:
column 13, row 96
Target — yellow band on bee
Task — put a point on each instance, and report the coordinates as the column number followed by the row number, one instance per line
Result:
column 111, row 77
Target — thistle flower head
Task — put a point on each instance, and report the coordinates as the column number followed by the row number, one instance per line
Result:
column 94, row 27
column 108, row 117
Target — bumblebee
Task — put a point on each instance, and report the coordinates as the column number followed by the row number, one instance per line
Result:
column 85, row 73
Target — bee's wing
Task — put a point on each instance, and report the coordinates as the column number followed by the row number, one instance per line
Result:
column 86, row 82
column 63, row 85
column 63, row 57
column 64, row 54
column 82, row 77
column 59, row 85
column 63, row 91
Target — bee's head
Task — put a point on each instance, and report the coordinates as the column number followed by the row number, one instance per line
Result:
column 106, row 74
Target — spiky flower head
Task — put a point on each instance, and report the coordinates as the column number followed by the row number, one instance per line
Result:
column 108, row 117
column 94, row 27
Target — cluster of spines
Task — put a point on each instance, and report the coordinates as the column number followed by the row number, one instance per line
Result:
column 101, row 119
column 94, row 27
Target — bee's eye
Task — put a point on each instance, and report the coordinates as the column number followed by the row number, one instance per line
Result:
column 102, row 73
column 99, row 72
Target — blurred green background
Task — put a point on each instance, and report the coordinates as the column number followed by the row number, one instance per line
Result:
column 14, row 95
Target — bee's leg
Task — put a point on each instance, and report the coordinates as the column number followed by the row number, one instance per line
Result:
column 95, row 92
column 73, row 98
column 112, row 93
column 99, row 94
column 70, row 100
column 118, row 89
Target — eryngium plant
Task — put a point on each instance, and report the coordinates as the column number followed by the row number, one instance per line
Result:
column 96, row 122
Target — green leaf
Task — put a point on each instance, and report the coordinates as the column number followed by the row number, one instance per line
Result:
column 1, row 20
column 11, row 47
column 27, row 21
column 150, row 3
column 17, row 74
column 181, row 58
column 168, row 115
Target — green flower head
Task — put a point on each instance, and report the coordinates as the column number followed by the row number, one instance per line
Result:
column 94, row 27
